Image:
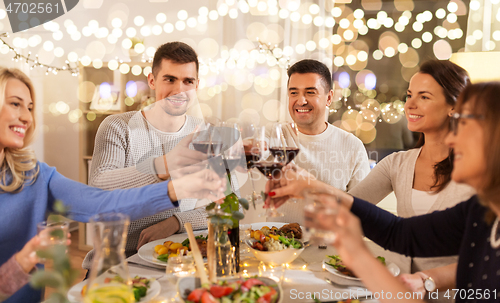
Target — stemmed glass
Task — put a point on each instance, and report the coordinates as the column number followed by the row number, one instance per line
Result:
column 271, row 166
column 284, row 142
column 250, row 135
column 209, row 141
column 286, row 146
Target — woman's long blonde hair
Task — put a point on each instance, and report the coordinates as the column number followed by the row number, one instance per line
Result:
column 19, row 163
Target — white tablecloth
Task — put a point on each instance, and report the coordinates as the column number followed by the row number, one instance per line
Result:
column 304, row 277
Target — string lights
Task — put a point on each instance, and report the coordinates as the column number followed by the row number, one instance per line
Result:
column 33, row 62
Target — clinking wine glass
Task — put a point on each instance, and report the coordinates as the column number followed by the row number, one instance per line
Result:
column 253, row 140
column 289, row 147
column 327, row 205
column 271, row 167
column 209, row 141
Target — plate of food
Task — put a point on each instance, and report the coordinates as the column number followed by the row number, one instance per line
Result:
column 290, row 230
column 334, row 265
column 251, row 290
column 157, row 252
column 275, row 245
column 145, row 288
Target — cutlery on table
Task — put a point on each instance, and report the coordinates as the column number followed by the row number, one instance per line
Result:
column 338, row 285
column 144, row 266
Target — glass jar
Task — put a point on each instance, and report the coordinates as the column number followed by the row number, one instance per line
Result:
column 109, row 279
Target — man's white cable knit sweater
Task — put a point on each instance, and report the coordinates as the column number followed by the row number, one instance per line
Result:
column 125, row 148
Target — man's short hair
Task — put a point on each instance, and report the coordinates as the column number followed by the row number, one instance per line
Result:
column 312, row 66
column 177, row 52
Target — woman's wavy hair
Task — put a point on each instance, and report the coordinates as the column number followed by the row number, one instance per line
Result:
column 484, row 100
column 19, row 165
column 453, row 79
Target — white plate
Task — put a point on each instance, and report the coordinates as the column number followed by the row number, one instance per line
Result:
column 75, row 292
column 147, row 251
column 392, row 267
column 259, row 225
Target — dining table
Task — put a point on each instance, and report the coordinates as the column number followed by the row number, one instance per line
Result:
column 304, row 278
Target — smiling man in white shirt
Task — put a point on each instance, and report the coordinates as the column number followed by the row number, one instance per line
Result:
column 331, row 154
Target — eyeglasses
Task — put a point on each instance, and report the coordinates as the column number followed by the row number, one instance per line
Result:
column 456, row 117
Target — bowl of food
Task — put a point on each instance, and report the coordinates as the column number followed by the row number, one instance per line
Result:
column 276, row 246
column 230, row 290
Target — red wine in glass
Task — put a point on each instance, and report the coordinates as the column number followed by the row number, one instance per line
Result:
column 208, row 147
column 291, row 153
column 270, row 170
column 251, row 159
column 217, row 165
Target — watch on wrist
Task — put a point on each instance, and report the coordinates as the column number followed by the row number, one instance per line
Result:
column 429, row 284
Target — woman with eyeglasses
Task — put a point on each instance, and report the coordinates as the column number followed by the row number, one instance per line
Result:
column 469, row 229
column 420, row 177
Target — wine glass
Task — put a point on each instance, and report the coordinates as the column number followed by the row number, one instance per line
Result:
column 177, row 268
column 271, row 166
column 326, row 204
column 250, row 136
column 209, row 141
column 284, row 141
column 289, row 146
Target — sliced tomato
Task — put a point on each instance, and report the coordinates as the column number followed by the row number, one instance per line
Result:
column 107, row 280
column 220, row 291
column 195, row 295
column 208, row 298
column 262, row 238
column 252, row 282
column 268, row 297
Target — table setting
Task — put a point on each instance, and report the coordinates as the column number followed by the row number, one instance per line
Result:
column 259, row 262
column 308, row 274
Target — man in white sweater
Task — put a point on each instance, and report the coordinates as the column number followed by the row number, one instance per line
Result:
column 144, row 147
column 331, row 154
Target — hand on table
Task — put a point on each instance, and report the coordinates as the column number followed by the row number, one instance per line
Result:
column 160, row 230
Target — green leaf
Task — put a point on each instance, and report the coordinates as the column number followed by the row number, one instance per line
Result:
column 60, row 208
column 227, row 222
column 264, row 195
column 210, row 206
column 44, row 278
column 244, row 203
column 237, row 215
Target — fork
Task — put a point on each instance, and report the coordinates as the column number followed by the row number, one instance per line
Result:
column 338, row 285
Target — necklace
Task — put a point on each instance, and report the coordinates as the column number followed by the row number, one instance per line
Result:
column 495, row 243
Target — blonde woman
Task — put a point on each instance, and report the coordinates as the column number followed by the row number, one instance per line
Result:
column 28, row 188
